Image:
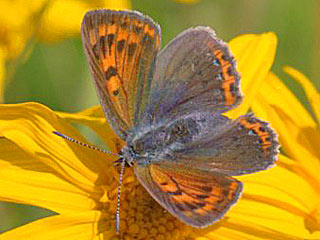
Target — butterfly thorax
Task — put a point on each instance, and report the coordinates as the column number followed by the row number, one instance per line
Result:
column 162, row 142
column 158, row 142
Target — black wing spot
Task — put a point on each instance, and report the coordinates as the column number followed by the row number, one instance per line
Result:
column 115, row 92
column 110, row 38
column 120, row 45
column 232, row 87
column 202, row 196
column 96, row 50
column 137, row 29
column 131, row 50
column 206, row 188
column 261, row 129
column 112, row 71
column 199, row 204
column 102, row 41
column 124, row 25
column 192, row 206
column 178, row 192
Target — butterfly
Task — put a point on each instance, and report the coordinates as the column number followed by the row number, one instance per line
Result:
column 167, row 106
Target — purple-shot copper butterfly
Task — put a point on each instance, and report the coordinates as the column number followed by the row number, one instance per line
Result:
column 167, row 106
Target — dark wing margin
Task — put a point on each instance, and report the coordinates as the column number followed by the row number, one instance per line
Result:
column 197, row 198
column 121, row 47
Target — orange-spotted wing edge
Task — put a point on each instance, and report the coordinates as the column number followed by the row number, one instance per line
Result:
column 121, row 48
column 197, row 198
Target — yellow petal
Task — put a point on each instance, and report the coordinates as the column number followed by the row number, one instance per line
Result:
column 77, row 226
column 298, row 133
column 25, row 180
column 254, row 55
column 2, row 72
column 274, row 205
column 275, row 92
column 56, row 25
column 14, row 25
column 19, row 20
column 312, row 94
column 95, row 119
column 239, row 230
column 274, row 184
column 30, row 126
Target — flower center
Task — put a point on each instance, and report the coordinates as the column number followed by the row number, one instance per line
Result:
column 141, row 217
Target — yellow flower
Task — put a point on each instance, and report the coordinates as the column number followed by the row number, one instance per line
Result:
column 45, row 19
column 56, row 25
column 80, row 185
column 299, row 134
column 23, row 22
column 2, row 72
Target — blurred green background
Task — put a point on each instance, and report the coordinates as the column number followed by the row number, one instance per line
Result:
column 57, row 74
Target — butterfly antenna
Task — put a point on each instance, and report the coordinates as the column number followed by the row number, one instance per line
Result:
column 123, row 163
column 84, row 144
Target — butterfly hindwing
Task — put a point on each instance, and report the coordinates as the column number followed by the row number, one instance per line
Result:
column 196, row 198
column 121, row 47
column 241, row 146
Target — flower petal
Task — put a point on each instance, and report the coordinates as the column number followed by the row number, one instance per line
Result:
column 26, row 180
column 53, row 25
column 312, row 94
column 15, row 25
column 30, row 126
column 95, row 119
column 274, row 184
column 241, row 229
column 274, row 205
column 254, row 55
column 2, row 72
column 78, row 226
column 298, row 133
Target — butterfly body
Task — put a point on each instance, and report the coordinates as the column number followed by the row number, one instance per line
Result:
column 168, row 105
column 151, row 143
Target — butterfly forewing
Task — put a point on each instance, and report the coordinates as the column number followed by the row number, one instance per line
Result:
column 195, row 72
column 121, row 48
